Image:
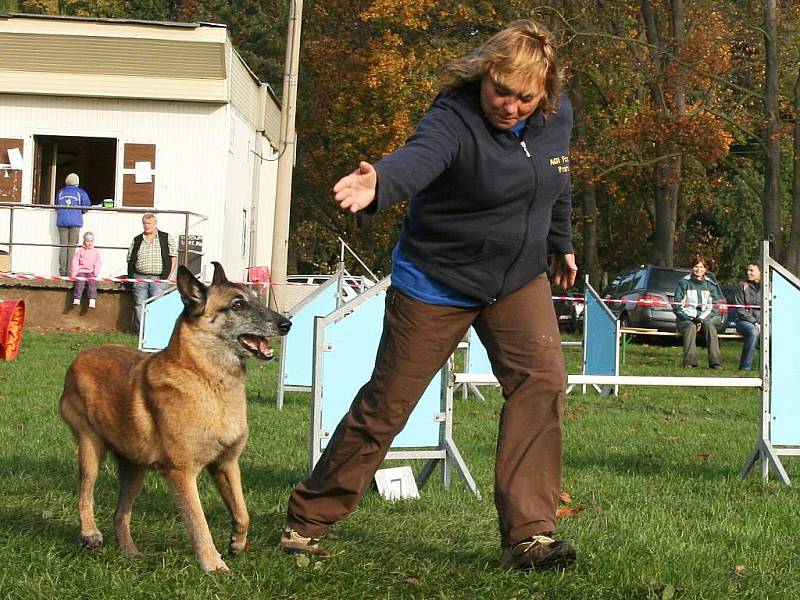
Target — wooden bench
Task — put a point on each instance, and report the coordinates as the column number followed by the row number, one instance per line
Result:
column 632, row 331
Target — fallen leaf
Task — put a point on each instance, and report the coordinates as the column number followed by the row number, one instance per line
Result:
column 668, row 593
column 739, row 569
column 701, row 457
column 671, row 438
column 411, row 581
column 571, row 415
column 303, row 561
column 565, row 497
column 569, row 511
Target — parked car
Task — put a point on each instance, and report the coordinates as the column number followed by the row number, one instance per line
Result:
column 569, row 309
column 643, row 296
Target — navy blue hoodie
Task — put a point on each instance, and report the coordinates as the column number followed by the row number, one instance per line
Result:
column 486, row 207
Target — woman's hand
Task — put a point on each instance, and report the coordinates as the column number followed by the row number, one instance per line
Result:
column 563, row 270
column 356, row 191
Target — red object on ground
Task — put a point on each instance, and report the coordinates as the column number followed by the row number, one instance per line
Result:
column 12, row 317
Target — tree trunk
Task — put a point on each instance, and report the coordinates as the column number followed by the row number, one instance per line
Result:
column 670, row 96
column 772, row 135
column 792, row 261
column 589, row 261
column 667, row 178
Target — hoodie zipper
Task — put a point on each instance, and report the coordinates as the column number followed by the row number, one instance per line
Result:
column 527, row 215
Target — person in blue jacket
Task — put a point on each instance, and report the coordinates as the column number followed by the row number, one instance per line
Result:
column 487, row 172
column 69, row 221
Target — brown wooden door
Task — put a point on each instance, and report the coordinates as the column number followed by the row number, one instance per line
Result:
column 138, row 194
column 10, row 180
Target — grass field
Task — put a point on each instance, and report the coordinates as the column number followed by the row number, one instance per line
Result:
column 659, row 510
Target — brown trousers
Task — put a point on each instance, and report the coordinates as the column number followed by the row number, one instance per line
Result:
column 521, row 336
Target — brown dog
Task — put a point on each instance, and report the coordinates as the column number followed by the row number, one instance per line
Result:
column 177, row 411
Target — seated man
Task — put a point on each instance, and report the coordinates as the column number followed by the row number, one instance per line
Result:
column 695, row 307
column 748, row 313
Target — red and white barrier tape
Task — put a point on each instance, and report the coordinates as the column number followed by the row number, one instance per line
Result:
column 652, row 302
column 32, row 277
column 26, row 276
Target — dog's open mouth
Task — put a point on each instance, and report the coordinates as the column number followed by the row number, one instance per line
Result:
column 257, row 346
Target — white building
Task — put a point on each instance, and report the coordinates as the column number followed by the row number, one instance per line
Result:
column 162, row 116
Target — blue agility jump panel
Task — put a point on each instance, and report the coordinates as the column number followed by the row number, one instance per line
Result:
column 298, row 346
column 785, row 376
column 601, row 336
column 158, row 320
column 349, row 357
column 477, row 357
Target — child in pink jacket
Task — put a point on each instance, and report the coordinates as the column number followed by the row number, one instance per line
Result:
column 86, row 263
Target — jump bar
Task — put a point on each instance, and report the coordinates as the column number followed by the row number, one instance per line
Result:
column 632, row 380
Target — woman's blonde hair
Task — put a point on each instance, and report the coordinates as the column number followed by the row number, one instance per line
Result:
column 523, row 51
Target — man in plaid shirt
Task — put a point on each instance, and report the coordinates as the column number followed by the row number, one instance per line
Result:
column 152, row 255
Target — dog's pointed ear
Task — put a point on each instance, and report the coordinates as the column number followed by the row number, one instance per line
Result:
column 193, row 292
column 219, row 274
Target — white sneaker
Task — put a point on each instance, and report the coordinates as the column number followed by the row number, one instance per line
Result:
column 92, row 302
column 76, row 302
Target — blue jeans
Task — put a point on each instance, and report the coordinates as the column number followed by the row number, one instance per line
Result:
column 751, row 336
column 143, row 291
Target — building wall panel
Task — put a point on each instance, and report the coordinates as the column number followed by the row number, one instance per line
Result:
column 272, row 121
column 113, row 86
column 51, row 56
column 245, row 90
column 235, row 224
column 54, row 53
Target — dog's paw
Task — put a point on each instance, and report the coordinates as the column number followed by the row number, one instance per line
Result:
column 132, row 552
column 216, row 564
column 238, row 546
column 91, row 540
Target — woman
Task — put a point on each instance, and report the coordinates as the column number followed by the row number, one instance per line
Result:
column 487, row 172
column 696, row 309
column 748, row 314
